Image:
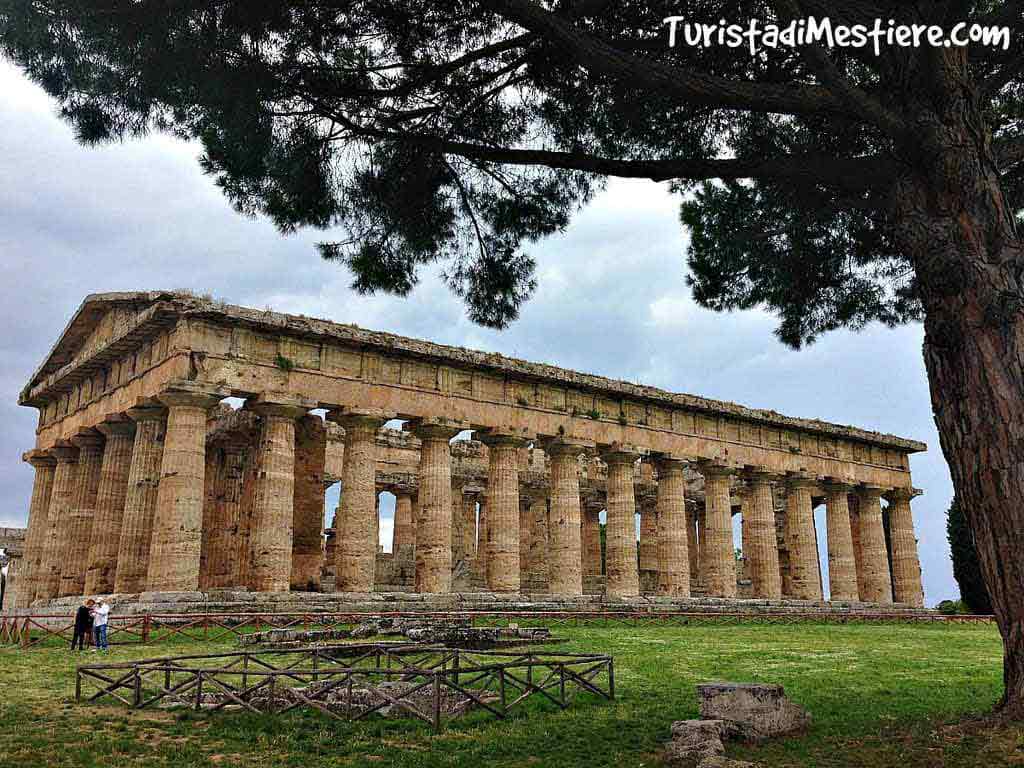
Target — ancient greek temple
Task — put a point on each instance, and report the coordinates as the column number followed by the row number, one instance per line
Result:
column 186, row 445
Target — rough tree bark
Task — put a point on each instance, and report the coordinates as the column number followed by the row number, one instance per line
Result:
column 953, row 220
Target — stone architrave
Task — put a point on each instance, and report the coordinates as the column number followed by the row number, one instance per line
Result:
column 434, row 523
column 805, row 575
column 356, row 532
column 874, row 557
column 673, row 543
column 308, row 515
column 761, row 548
column 271, row 537
column 566, row 559
column 503, row 507
column 61, row 498
column 140, row 498
column 718, row 558
column 42, row 489
column 176, row 548
column 76, row 532
column 906, row 566
column 622, row 577
column 842, row 567
column 110, row 499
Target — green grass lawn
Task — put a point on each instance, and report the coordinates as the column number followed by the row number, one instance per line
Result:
column 882, row 695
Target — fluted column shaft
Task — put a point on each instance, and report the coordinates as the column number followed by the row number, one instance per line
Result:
column 566, row 528
column 402, row 540
column 525, row 539
column 718, row 559
column 672, row 531
column 178, row 521
column 434, row 525
column 356, row 550
column 274, row 504
column 469, row 524
column 35, row 538
column 620, row 532
column 481, row 540
column 540, row 558
column 77, row 530
column 906, row 567
column 803, row 560
column 694, row 547
column 592, row 541
column 140, row 500
column 224, row 538
column 307, row 559
column 874, row 557
column 854, row 502
column 110, row 499
column 458, row 524
column 502, row 511
column 761, row 547
column 702, row 544
column 842, row 567
column 648, row 537
column 61, row 498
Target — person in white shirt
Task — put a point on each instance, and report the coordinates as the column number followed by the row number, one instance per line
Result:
column 99, row 624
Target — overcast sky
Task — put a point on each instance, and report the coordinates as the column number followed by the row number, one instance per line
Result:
column 611, row 300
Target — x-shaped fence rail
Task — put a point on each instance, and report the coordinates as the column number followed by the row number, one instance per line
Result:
column 353, row 681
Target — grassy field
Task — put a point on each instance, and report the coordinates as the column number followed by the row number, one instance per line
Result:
column 884, row 695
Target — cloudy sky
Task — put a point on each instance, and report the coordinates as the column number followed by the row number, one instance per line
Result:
column 612, row 300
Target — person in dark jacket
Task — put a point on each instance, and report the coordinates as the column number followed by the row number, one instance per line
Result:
column 83, row 625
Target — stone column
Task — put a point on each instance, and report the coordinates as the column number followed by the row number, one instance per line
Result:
column 906, row 567
column 458, row 524
column 503, row 509
column 481, row 539
column 648, row 536
column 308, row 516
column 853, row 500
column 592, row 539
column 177, row 523
column 526, row 500
column 356, row 532
column 673, row 544
column 226, row 536
column 110, row 498
column 761, row 547
column 61, row 497
column 694, row 547
column 140, row 499
column 718, row 558
column 540, row 553
column 566, row 558
column 77, row 530
column 842, row 568
column 620, row 533
column 469, row 523
column 702, row 544
column 874, row 557
column 803, row 560
column 274, row 504
column 434, row 524
column 35, row 538
column 402, row 539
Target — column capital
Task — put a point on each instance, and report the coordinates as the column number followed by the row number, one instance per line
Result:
column 360, row 418
column 801, row 480
column 754, row 474
column 401, row 489
column 620, row 453
column 147, row 409
column 870, row 490
column 116, row 425
column 190, row 393
column 666, row 463
column 65, row 452
column 280, row 405
column 87, row 437
column 902, row 494
column 839, row 485
column 39, row 458
column 568, row 446
column 435, row 428
column 715, row 468
column 511, row 437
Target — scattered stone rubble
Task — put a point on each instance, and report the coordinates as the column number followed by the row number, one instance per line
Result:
column 751, row 712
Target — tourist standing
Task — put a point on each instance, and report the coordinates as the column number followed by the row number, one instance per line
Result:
column 83, row 625
column 100, row 614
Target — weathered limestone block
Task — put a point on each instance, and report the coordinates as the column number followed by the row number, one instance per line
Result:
column 620, row 532
column 356, row 550
column 434, row 524
column 877, row 586
column 503, row 508
column 760, row 547
column 178, row 522
column 752, row 711
column 77, row 528
column 566, row 560
column 110, row 498
column 718, row 560
column 694, row 741
column 308, row 526
column 140, row 499
column 805, row 576
column 673, row 545
column 906, row 566
column 842, row 567
column 35, row 538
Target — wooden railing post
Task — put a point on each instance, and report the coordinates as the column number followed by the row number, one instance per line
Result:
column 145, row 628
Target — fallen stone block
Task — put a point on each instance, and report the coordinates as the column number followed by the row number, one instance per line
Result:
column 752, row 711
column 694, row 741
